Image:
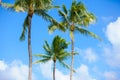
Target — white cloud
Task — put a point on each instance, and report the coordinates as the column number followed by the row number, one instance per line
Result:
column 113, row 32
column 112, row 56
column 82, row 73
column 3, row 66
column 112, row 53
column 61, row 76
column 46, row 69
column 14, row 71
column 88, row 54
column 110, row 76
column 19, row 71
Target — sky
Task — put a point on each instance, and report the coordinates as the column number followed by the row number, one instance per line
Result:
column 97, row 60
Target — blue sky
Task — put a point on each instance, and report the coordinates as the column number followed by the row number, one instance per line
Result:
column 96, row 60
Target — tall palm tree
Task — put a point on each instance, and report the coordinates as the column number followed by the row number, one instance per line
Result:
column 55, row 52
column 38, row 7
column 75, row 19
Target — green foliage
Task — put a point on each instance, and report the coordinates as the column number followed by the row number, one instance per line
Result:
column 25, row 26
column 55, row 52
column 77, row 18
column 87, row 33
column 38, row 7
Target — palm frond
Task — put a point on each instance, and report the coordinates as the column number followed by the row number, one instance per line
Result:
column 63, row 44
column 47, row 48
column 18, row 6
column 63, row 16
column 55, row 25
column 59, row 44
column 63, row 55
column 8, row 6
column 21, row 5
column 42, row 4
column 42, row 61
column 65, row 65
column 86, row 32
column 25, row 26
column 41, row 55
column 52, row 28
column 76, row 53
column 46, row 16
column 43, row 14
column 52, row 7
column 65, row 9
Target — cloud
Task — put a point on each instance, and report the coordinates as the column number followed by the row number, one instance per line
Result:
column 82, row 72
column 46, row 69
column 90, row 55
column 3, row 66
column 112, row 52
column 87, row 54
column 113, row 32
column 112, row 56
column 14, row 71
column 110, row 76
column 61, row 76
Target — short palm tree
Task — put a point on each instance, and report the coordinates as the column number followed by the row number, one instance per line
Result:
column 38, row 7
column 75, row 19
column 55, row 52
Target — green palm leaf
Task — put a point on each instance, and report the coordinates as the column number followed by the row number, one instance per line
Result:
column 55, row 25
column 55, row 51
column 65, row 9
column 65, row 65
column 42, row 61
column 86, row 32
column 25, row 26
column 8, row 6
column 77, row 18
column 42, row 56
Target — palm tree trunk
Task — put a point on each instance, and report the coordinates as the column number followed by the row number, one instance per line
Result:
column 0, row 2
column 29, row 49
column 54, row 66
column 72, row 61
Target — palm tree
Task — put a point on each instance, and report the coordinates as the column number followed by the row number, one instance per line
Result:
column 55, row 52
column 38, row 7
column 75, row 19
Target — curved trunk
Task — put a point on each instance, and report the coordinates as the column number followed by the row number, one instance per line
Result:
column 54, row 66
column 29, row 49
column 72, row 61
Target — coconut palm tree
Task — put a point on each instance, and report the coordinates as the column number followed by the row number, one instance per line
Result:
column 38, row 7
column 75, row 19
column 55, row 52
